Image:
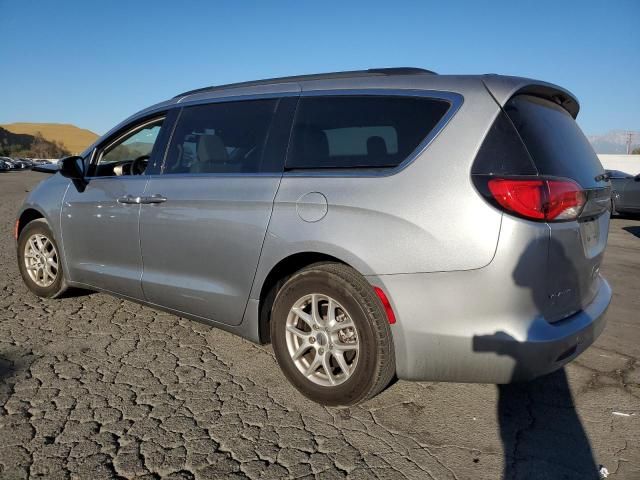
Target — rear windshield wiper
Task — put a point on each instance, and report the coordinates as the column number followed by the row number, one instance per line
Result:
column 603, row 177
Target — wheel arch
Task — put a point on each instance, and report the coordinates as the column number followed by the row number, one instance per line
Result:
column 27, row 215
column 278, row 274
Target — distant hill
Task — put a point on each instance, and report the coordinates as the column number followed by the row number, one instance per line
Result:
column 18, row 145
column 614, row 142
column 72, row 138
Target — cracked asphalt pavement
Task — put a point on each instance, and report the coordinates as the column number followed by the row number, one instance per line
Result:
column 96, row 387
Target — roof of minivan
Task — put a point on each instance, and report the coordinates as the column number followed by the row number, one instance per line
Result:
column 372, row 72
column 502, row 87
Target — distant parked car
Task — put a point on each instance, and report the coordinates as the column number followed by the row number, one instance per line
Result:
column 16, row 164
column 21, row 165
column 625, row 194
column 39, row 161
column 27, row 162
column 4, row 166
column 9, row 162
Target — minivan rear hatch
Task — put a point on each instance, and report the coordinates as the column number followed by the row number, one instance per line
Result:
column 558, row 149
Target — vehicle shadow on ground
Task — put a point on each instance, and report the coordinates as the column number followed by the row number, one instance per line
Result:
column 74, row 292
column 541, row 432
column 7, row 368
column 625, row 216
column 632, row 230
column 10, row 366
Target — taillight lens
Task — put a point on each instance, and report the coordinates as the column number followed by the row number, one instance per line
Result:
column 539, row 199
column 566, row 200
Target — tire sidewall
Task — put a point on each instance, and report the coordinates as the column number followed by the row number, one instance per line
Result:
column 325, row 283
column 41, row 227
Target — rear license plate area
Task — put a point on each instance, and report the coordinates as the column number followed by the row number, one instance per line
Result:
column 590, row 233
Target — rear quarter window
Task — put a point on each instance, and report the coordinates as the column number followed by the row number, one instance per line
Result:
column 360, row 131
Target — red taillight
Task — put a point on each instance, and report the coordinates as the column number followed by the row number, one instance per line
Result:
column 539, row 199
column 566, row 200
column 391, row 317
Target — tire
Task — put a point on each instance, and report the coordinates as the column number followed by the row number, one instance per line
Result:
column 368, row 370
column 614, row 212
column 53, row 284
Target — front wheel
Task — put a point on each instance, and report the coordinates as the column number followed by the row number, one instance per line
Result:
column 331, row 336
column 39, row 260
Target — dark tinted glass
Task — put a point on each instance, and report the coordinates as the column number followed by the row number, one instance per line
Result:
column 360, row 131
column 556, row 144
column 502, row 151
column 225, row 137
column 619, row 174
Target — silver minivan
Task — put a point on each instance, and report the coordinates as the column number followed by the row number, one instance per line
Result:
column 370, row 224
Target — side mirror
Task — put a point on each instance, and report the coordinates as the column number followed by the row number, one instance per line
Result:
column 72, row 167
column 637, row 178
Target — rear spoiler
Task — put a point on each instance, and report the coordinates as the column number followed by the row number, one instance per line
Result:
column 502, row 88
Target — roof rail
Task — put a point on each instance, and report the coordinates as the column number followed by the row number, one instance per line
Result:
column 316, row 76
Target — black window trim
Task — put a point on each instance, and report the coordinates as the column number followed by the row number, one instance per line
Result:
column 455, row 101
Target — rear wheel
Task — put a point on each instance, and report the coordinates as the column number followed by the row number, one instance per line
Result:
column 330, row 335
column 39, row 260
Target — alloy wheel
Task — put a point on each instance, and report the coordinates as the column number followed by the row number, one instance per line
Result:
column 322, row 340
column 41, row 260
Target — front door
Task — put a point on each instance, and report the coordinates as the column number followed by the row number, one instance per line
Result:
column 202, row 245
column 100, row 222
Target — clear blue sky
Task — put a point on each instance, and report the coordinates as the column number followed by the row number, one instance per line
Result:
column 92, row 63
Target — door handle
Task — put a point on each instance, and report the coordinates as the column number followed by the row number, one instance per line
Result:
column 157, row 198
column 129, row 200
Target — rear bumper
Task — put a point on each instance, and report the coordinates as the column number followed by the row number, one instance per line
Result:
column 462, row 330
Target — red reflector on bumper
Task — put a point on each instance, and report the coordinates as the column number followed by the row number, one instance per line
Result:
column 391, row 317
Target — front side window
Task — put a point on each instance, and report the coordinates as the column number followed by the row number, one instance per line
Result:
column 361, row 131
column 129, row 153
column 227, row 137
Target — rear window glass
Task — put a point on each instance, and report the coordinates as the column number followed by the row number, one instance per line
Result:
column 360, row 131
column 555, row 142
